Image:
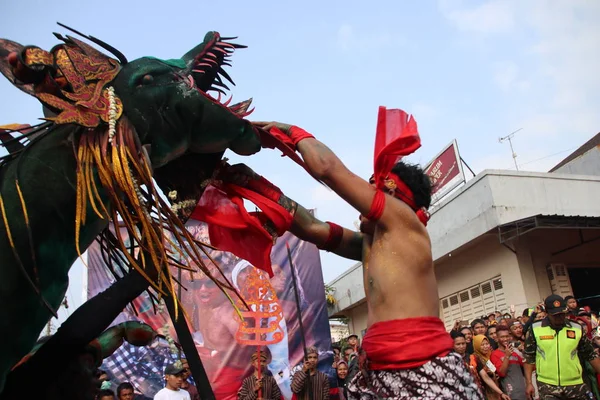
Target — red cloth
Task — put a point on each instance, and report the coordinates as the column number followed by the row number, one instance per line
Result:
column 232, row 228
column 397, row 136
column 406, row 343
column 227, row 382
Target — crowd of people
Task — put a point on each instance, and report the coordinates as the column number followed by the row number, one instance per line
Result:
column 505, row 357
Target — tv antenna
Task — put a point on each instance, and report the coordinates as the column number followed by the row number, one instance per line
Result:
column 509, row 137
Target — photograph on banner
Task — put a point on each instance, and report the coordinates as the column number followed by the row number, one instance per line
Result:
column 223, row 347
column 445, row 171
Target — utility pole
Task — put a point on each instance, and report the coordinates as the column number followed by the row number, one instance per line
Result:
column 509, row 138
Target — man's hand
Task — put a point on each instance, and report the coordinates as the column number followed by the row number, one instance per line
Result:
column 508, row 350
column 238, row 174
column 307, row 366
column 530, row 391
column 285, row 128
column 259, row 382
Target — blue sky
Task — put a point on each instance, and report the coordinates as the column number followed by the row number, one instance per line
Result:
column 467, row 70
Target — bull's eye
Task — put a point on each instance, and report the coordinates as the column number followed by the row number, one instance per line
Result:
column 146, row 79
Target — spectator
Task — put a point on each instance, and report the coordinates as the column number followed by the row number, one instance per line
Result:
column 187, row 385
column 572, row 306
column 468, row 334
column 348, row 354
column 491, row 335
column 125, row 391
column 310, row 377
column 550, row 349
column 460, row 345
column 492, row 319
column 509, row 366
column 478, row 326
column 480, row 361
column 353, row 342
column 266, row 384
column 174, row 379
column 516, row 331
column 342, row 374
column 105, row 394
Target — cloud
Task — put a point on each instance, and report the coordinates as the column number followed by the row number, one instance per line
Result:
column 492, row 17
column 543, row 56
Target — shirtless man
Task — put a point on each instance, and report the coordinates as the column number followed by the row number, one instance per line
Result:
column 406, row 341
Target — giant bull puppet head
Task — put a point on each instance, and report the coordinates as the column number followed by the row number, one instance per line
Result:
column 167, row 101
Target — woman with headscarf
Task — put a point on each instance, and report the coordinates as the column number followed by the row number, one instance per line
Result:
column 485, row 369
column 342, row 373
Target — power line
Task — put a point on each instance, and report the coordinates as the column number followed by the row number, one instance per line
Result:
column 543, row 158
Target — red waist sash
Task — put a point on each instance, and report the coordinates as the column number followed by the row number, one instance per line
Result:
column 405, row 343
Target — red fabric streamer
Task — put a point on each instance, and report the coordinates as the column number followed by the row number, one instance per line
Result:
column 405, row 343
column 397, row 136
column 334, row 239
column 377, row 206
column 232, row 228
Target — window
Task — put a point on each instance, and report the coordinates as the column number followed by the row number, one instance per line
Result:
column 474, row 302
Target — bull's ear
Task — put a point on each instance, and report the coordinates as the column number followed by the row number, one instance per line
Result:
column 11, row 52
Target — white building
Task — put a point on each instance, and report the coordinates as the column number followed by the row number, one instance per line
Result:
column 507, row 239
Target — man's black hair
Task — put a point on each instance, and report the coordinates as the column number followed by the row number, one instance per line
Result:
column 417, row 181
column 477, row 321
column 105, row 392
column 456, row 334
column 123, row 386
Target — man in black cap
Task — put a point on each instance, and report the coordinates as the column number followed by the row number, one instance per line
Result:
column 353, row 342
column 554, row 347
column 174, row 374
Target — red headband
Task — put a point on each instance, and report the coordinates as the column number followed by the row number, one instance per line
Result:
column 397, row 136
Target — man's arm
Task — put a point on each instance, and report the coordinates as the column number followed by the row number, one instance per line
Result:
column 310, row 229
column 586, row 352
column 358, row 192
column 304, row 225
column 246, row 392
column 298, row 381
column 529, row 362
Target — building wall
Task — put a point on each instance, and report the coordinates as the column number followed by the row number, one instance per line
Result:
column 586, row 164
column 544, row 243
column 338, row 332
column 482, row 260
column 358, row 319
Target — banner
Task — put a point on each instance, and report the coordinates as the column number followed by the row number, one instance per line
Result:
column 214, row 323
column 445, row 171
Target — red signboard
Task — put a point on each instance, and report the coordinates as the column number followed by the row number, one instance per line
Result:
column 445, row 170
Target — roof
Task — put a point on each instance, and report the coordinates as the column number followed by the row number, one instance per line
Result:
column 587, row 146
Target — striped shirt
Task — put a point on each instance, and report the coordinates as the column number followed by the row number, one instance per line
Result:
column 270, row 390
column 319, row 383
